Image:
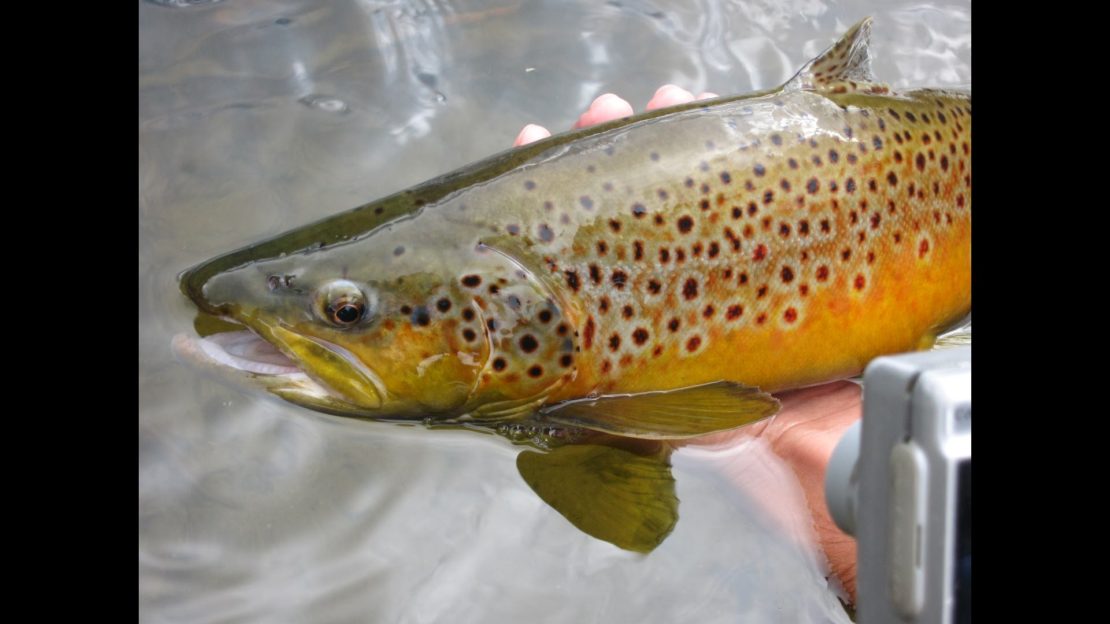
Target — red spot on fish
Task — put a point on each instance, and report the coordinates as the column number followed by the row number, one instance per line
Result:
column 790, row 315
column 923, row 248
column 860, row 282
column 693, row 343
column 760, row 252
column 734, row 312
column 588, row 333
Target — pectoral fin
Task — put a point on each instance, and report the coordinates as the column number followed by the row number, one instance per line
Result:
column 668, row 415
column 618, row 496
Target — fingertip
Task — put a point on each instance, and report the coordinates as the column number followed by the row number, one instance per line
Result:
column 669, row 95
column 707, row 95
column 530, row 134
column 605, row 107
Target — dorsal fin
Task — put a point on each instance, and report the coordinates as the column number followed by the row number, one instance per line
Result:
column 845, row 67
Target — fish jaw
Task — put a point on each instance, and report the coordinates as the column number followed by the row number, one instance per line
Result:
column 245, row 359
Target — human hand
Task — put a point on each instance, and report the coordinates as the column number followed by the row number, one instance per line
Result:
column 608, row 107
column 811, row 421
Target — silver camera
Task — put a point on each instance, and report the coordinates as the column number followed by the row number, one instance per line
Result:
column 900, row 482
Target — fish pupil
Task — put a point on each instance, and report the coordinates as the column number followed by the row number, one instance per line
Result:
column 347, row 313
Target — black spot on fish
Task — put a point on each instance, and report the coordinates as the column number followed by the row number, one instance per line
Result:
column 595, row 274
column 690, row 289
column 572, row 280
column 420, row 316
column 443, row 305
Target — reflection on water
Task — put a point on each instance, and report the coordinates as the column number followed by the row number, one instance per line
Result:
column 256, row 116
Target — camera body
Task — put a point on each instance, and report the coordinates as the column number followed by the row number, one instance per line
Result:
column 900, row 481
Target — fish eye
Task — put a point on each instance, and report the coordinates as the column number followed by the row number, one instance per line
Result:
column 347, row 313
column 343, row 303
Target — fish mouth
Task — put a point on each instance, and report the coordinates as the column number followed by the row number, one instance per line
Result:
column 240, row 350
column 325, row 376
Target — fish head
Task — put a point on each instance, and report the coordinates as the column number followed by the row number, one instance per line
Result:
column 385, row 327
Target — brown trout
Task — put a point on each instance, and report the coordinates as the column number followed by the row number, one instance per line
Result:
column 651, row 279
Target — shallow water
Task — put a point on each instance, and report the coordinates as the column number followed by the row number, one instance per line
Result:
column 256, row 116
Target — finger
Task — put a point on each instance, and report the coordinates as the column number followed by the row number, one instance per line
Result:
column 530, row 134
column 669, row 95
column 606, row 107
column 707, row 95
